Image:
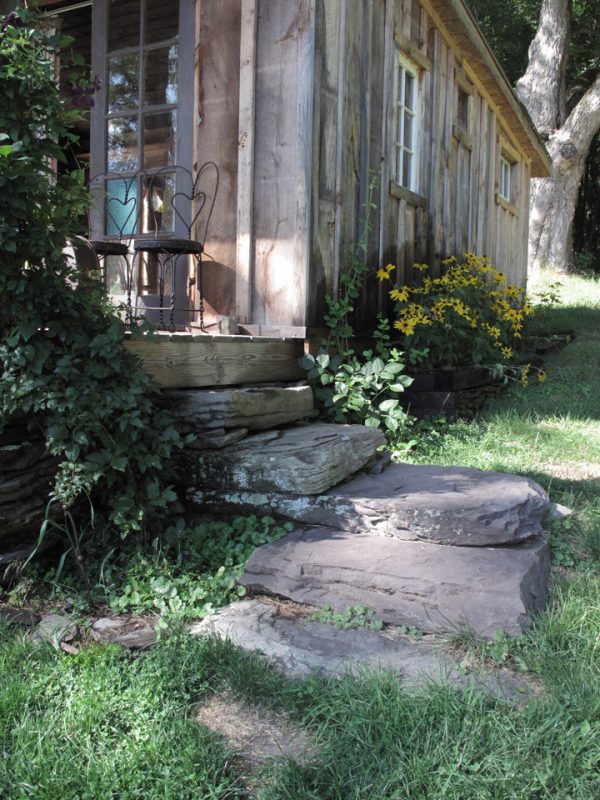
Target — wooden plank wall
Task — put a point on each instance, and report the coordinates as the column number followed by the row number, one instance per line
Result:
column 353, row 125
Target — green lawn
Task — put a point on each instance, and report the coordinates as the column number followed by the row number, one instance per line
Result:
column 104, row 724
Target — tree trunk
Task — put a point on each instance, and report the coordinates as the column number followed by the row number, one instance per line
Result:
column 554, row 199
column 541, row 90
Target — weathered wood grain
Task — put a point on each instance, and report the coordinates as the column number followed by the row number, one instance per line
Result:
column 187, row 361
column 245, row 194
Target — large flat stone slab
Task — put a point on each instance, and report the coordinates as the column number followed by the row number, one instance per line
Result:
column 446, row 505
column 300, row 647
column 308, row 459
column 435, row 588
column 255, row 408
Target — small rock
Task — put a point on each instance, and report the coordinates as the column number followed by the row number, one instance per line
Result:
column 557, row 512
column 18, row 616
column 128, row 633
column 54, row 628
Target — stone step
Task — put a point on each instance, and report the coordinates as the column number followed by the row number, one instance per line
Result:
column 307, row 460
column 299, row 647
column 446, row 505
column 435, row 588
column 253, row 408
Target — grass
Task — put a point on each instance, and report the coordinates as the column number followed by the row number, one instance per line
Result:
column 106, row 725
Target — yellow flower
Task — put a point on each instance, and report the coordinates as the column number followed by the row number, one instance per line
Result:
column 507, row 352
column 541, row 376
column 421, row 267
column 401, row 295
column 405, row 326
column 383, row 275
column 525, row 376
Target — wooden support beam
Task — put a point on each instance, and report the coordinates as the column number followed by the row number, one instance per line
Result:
column 245, row 245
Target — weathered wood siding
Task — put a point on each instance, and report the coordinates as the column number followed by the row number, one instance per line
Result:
column 313, row 124
column 456, row 205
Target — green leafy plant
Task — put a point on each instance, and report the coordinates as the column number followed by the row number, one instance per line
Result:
column 468, row 316
column 187, row 573
column 62, row 360
column 351, row 617
column 361, row 390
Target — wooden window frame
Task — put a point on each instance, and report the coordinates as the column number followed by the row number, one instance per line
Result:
column 186, row 92
column 509, row 167
column 405, row 66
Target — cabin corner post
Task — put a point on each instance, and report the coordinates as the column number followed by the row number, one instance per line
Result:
column 245, row 192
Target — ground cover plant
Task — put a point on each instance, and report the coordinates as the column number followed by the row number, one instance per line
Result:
column 106, row 724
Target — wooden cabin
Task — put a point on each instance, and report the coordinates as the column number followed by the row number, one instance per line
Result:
column 300, row 103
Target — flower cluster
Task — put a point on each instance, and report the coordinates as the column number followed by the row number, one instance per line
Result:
column 468, row 315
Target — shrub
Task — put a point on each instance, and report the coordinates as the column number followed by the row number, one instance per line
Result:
column 62, row 360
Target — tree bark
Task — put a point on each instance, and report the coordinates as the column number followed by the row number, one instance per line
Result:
column 554, row 199
column 568, row 139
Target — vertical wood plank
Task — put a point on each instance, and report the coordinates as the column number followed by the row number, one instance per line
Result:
column 283, row 160
column 244, row 244
column 217, row 135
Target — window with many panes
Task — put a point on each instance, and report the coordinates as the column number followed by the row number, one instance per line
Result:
column 143, row 52
column 144, row 120
column 406, row 124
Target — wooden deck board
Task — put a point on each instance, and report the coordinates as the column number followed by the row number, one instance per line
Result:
column 192, row 361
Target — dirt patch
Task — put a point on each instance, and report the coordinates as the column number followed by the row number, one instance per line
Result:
column 254, row 734
column 574, row 471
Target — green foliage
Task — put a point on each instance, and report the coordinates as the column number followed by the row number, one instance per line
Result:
column 61, row 349
column 351, row 617
column 342, row 307
column 363, row 387
column 361, row 390
column 187, row 573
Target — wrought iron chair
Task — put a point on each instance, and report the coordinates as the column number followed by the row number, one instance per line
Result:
column 177, row 208
column 120, row 221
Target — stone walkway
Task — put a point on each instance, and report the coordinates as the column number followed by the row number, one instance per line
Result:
column 300, row 646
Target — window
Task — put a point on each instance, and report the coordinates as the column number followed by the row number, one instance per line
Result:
column 144, row 120
column 462, row 108
column 406, row 125
column 505, row 189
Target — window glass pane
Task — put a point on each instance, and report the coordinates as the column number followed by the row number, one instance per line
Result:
column 409, row 122
column 123, row 24
column 121, row 140
column 160, row 132
column 462, row 111
column 121, row 207
column 407, row 160
column 160, row 67
column 409, row 91
column 401, row 74
column 162, row 20
column 116, row 275
column 123, row 82
column 158, row 203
